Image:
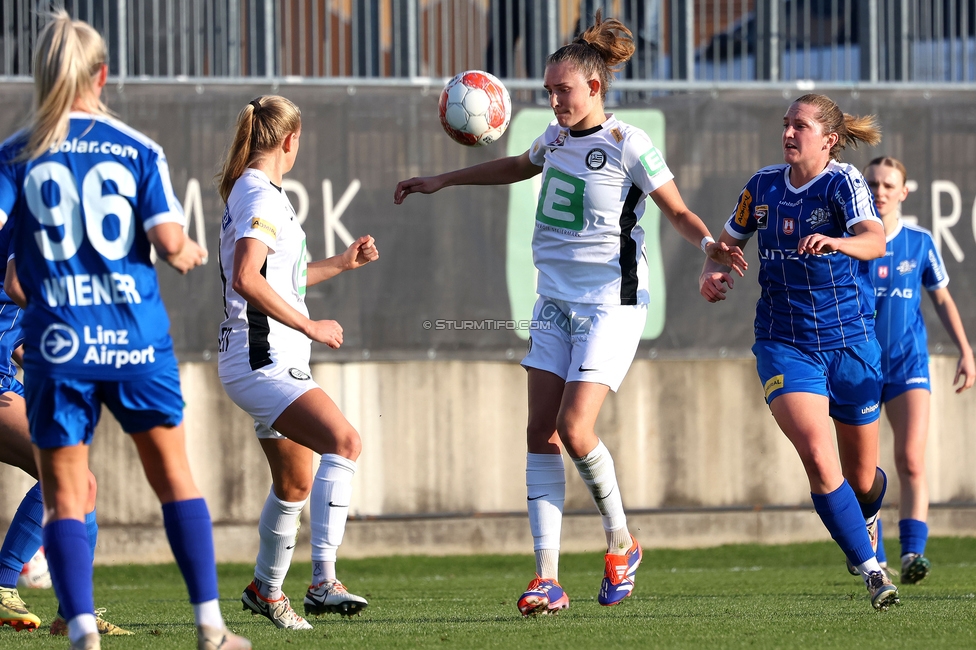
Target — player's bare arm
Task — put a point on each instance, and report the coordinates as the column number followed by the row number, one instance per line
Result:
column 11, row 284
column 502, row 171
column 249, row 256
column 715, row 280
column 690, row 226
column 945, row 306
column 360, row 252
column 868, row 242
column 179, row 251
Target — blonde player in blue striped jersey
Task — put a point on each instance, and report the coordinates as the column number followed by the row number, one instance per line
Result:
column 588, row 247
column 910, row 263
column 816, row 351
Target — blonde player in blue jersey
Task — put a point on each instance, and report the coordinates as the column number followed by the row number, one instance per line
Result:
column 588, row 247
column 87, row 197
column 816, row 351
column 263, row 363
column 911, row 262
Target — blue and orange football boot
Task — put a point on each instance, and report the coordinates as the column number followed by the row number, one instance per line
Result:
column 543, row 596
column 619, row 573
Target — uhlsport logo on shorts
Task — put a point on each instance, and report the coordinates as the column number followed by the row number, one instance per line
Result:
column 59, row 343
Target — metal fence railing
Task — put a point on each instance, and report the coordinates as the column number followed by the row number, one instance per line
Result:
column 863, row 41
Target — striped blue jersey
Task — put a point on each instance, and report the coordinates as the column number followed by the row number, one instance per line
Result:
column 11, row 334
column 824, row 302
column 911, row 262
column 80, row 215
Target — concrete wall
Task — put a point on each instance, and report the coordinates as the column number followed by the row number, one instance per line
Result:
column 699, row 459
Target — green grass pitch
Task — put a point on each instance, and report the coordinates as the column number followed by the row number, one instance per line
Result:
column 796, row 596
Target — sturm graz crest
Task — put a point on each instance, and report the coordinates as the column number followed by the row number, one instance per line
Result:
column 596, row 159
column 298, row 374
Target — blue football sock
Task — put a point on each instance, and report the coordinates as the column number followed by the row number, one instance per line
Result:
column 914, row 534
column 23, row 537
column 882, row 556
column 190, row 535
column 874, row 507
column 841, row 514
column 91, row 527
column 69, row 557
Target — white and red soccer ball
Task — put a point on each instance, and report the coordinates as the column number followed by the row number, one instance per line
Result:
column 475, row 108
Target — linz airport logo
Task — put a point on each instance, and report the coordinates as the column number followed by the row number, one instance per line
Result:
column 789, row 225
column 59, row 343
column 762, row 217
column 596, row 159
column 883, row 272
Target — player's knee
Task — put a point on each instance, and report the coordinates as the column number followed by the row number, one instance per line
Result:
column 348, row 443
column 92, row 492
column 293, row 488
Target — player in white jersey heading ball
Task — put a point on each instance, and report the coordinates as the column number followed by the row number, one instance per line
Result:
column 588, row 247
column 263, row 362
column 911, row 262
column 816, row 351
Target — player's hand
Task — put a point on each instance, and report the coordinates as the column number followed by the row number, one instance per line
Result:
column 818, row 245
column 325, row 331
column 418, row 184
column 360, row 252
column 713, row 286
column 726, row 255
column 965, row 370
column 189, row 257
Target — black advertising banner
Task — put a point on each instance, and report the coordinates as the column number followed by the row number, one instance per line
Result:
column 455, row 277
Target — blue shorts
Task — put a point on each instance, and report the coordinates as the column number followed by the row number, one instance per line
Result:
column 63, row 412
column 10, row 384
column 850, row 378
column 904, row 374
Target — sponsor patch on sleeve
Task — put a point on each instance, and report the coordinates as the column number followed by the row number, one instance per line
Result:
column 774, row 383
column 617, row 135
column 257, row 223
column 742, row 210
column 653, row 162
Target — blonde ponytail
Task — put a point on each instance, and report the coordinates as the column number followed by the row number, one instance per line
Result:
column 261, row 127
column 67, row 61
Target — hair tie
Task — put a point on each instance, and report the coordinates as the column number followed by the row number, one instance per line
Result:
column 255, row 103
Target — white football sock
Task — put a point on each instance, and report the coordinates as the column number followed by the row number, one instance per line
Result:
column 331, row 492
column 278, row 528
column 80, row 626
column 545, row 482
column 323, row 572
column 868, row 567
column 596, row 470
column 208, row 613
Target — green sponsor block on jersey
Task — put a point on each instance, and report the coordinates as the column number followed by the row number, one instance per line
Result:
column 524, row 208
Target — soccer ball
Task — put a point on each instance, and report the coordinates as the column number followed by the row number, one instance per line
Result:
column 475, row 108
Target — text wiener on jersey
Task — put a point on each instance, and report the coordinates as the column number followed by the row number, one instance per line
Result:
column 85, row 290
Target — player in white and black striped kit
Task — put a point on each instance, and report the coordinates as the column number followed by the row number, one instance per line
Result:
column 263, row 362
column 588, row 247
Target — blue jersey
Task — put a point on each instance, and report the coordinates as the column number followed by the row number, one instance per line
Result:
column 823, row 302
column 11, row 335
column 910, row 263
column 80, row 215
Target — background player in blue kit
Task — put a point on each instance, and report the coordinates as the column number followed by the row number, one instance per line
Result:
column 816, row 351
column 911, row 262
column 87, row 196
column 23, row 537
column 588, row 246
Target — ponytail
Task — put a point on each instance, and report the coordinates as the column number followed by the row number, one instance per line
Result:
column 601, row 50
column 850, row 129
column 261, row 127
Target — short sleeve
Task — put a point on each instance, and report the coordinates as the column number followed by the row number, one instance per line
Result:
column 258, row 214
column 537, row 152
column 852, row 199
column 8, row 191
column 644, row 163
column 934, row 274
column 744, row 220
column 157, row 202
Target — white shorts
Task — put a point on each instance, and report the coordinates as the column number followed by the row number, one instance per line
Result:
column 265, row 393
column 584, row 342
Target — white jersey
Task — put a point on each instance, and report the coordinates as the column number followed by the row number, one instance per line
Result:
column 588, row 245
column 249, row 339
